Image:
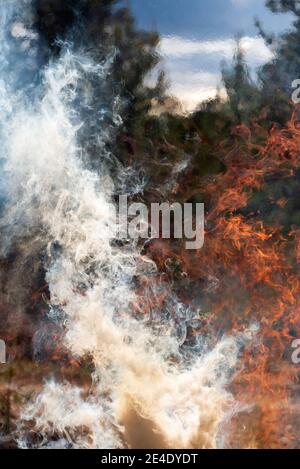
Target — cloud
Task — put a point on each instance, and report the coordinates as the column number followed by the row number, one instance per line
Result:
column 194, row 87
column 254, row 48
column 193, row 67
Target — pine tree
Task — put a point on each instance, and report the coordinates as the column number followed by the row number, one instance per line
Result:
column 242, row 92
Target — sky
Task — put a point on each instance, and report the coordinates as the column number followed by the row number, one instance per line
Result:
column 197, row 36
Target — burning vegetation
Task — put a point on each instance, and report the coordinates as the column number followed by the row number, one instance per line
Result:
column 127, row 344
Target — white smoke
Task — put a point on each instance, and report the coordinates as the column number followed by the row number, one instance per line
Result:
column 144, row 393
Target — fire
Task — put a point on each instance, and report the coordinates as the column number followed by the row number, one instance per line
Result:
column 174, row 340
column 256, row 263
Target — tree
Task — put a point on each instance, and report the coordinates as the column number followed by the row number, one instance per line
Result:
column 276, row 76
column 242, row 92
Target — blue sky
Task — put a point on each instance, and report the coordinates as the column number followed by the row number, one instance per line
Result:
column 206, row 18
column 197, row 36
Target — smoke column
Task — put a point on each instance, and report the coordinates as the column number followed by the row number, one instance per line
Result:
column 145, row 392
